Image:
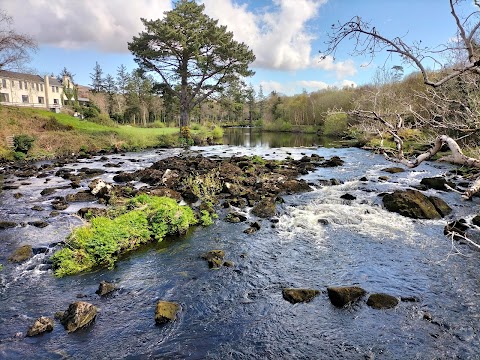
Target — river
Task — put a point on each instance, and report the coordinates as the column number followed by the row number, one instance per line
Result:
column 320, row 240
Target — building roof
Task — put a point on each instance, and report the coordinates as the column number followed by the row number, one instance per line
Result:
column 54, row 81
column 20, row 76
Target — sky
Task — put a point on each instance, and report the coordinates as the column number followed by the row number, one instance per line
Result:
column 287, row 36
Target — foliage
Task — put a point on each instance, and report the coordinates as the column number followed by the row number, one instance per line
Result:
column 22, row 143
column 18, row 155
column 101, row 242
column 335, row 124
column 189, row 49
column 53, row 124
column 206, row 218
column 217, row 132
column 206, row 187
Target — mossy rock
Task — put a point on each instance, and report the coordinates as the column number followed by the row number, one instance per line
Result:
column 214, row 258
column 266, row 208
column 79, row 315
column 7, row 225
column 411, row 203
column 105, row 288
column 342, row 296
column 394, row 170
column 382, row 301
column 166, row 311
column 22, row 254
column 42, row 324
column 295, row 295
column 437, row 183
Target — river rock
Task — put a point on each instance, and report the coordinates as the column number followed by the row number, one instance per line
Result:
column 166, row 311
column 394, row 170
column 38, row 223
column 22, row 254
column 266, row 208
column 214, row 258
column 7, row 225
column 333, row 162
column 382, row 301
column 294, row 295
column 78, row 315
column 235, row 217
column 59, row 204
column 41, row 325
column 100, row 188
column 89, row 212
column 164, row 191
column 105, row 288
column 254, row 227
column 441, row 206
column 348, row 196
column 47, row 191
column 456, row 227
column 124, row 177
column 437, row 183
column 295, row 186
column 414, row 204
column 341, row 296
column 475, row 220
column 81, row 196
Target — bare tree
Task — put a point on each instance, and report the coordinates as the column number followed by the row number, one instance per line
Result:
column 14, row 48
column 448, row 105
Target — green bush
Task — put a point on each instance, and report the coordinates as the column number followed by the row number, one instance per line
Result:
column 103, row 119
column 335, row 124
column 22, row 143
column 53, row 124
column 90, row 112
column 217, row 132
column 17, row 155
column 102, row 241
column 206, row 218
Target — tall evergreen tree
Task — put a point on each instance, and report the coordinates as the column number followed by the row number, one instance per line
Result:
column 97, row 79
column 193, row 55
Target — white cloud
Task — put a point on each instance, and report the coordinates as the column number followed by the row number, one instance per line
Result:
column 341, row 68
column 269, row 86
column 102, row 25
column 314, row 85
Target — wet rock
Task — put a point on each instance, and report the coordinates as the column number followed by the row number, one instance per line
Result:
column 475, row 220
column 394, row 170
column 81, row 196
column 40, row 326
column 166, row 311
column 411, row 203
column 456, row 227
column 441, row 206
column 254, row 227
column 235, row 217
column 39, row 224
column 409, row 299
column 54, row 213
column 228, row 263
column 17, row 195
column 75, row 184
column 89, row 212
column 299, row 295
column 7, row 225
column 437, row 183
column 341, row 296
column 48, row 191
column 105, row 288
column 295, row 186
column 383, row 178
column 124, row 177
column 348, row 196
column 214, row 258
column 164, row 191
column 382, row 301
column 21, row 254
column 37, row 208
column 78, row 315
column 100, row 188
column 363, row 178
column 323, row 221
column 59, row 204
column 266, row 208
column 333, row 162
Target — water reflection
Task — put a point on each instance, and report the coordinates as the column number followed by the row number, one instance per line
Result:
column 254, row 137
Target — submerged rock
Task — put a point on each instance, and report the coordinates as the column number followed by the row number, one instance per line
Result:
column 22, row 254
column 214, row 258
column 235, row 217
column 382, row 301
column 333, row 162
column 394, row 170
column 294, row 295
column 105, row 288
column 341, row 296
column 166, row 311
column 78, row 315
column 60, row 204
column 414, row 204
column 39, row 224
column 41, row 325
column 348, row 196
column 7, row 225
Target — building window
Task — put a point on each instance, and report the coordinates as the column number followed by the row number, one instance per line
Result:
column 25, row 98
column 13, row 84
column 3, row 97
column 53, row 88
column 20, row 85
column 4, row 83
column 41, row 100
column 56, row 88
column 55, row 101
column 38, row 87
column 41, row 87
column 25, row 83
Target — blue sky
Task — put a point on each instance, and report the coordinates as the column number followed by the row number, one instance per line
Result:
column 285, row 35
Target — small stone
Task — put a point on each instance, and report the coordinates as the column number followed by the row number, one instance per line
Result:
column 48, row 191
column 105, row 288
column 37, row 208
column 41, row 325
column 166, row 311
column 79, row 315
column 39, row 224
column 17, row 195
column 394, row 170
column 341, row 296
column 228, row 263
column 299, row 295
column 382, row 301
column 348, row 196
column 214, row 258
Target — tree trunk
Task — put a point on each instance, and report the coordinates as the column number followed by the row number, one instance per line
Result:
column 184, row 118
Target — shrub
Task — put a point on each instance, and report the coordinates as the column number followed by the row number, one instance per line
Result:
column 53, row 124
column 217, row 132
column 22, row 143
column 103, row 119
column 206, row 218
column 206, row 187
column 17, row 155
column 90, row 112
column 104, row 239
column 335, row 124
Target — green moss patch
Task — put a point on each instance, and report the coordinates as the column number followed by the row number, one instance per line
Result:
column 101, row 242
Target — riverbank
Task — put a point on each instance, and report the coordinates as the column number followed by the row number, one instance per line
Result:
column 47, row 135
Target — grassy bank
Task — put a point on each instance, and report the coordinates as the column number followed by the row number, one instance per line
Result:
column 56, row 135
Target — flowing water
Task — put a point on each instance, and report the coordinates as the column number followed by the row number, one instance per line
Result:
column 320, row 240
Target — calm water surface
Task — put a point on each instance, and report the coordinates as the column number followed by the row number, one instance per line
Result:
column 239, row 313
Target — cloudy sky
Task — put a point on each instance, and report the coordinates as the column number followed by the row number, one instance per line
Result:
column 285, row 35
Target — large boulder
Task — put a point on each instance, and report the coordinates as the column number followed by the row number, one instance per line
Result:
column 342, row 296
column 21, row 254
column 299, row 295
column 382, row 301
column 100, row 188
column 79, row 315
column 265, row 208
column 166, row 311
column 414, row 204
column 41, row 325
